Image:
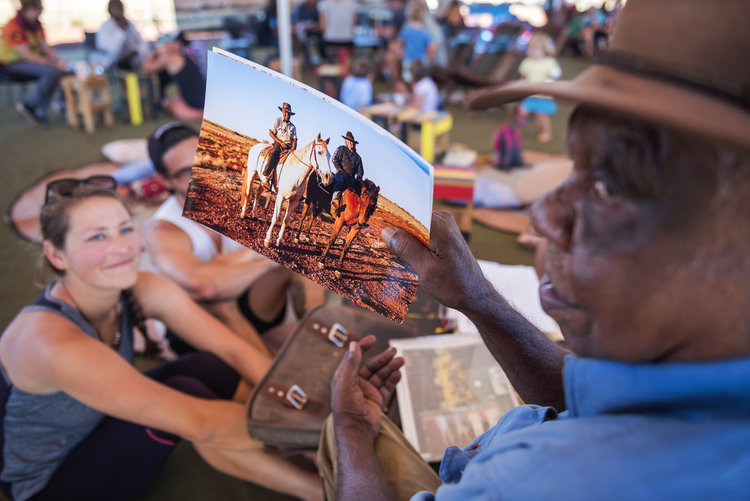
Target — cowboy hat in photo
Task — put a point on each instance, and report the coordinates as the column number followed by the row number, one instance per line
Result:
column 286, row 107
column 350, row 137
column 678, row 63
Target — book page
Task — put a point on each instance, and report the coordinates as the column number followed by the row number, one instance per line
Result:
column 293, row 213
column 451, row 391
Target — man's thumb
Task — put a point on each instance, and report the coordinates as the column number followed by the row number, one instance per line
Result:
column 405, row 246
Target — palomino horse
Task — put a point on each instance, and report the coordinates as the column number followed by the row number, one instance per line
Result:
column 358, row 203
column 292, row 173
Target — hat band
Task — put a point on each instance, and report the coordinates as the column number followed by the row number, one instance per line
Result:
column 642, row 68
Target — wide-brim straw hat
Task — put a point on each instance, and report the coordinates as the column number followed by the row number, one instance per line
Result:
column 678, row 63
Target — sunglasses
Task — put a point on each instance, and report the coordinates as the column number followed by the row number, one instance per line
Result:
column 66, row 187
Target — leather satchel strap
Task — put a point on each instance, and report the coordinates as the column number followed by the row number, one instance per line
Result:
column 293, row 396
column 336, row 333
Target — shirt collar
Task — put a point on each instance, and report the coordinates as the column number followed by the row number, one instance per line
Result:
column 691, row 390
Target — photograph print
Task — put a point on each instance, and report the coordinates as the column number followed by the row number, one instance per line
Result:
column 304, row 180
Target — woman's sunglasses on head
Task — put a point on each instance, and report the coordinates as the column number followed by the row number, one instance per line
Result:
column 66, row 187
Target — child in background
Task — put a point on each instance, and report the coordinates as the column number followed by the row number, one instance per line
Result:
column 418, row 44
column 356, row 90
column 539, row 66
column 425, row 94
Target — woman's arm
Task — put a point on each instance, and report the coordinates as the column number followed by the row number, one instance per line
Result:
column 162, row 299
column 45, row 353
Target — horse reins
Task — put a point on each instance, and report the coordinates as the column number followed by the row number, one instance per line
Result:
column 310, row 165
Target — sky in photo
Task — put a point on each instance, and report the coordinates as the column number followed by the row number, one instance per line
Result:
column 246, row 99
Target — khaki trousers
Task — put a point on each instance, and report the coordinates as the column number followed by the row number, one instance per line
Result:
column 405, row 470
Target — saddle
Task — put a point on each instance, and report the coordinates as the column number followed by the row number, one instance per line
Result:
column 267, row 151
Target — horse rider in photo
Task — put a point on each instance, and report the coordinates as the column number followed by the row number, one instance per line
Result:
column 348, row 165
column 284, row 135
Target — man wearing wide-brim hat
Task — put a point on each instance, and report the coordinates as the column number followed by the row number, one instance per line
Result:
column 647, row 273
column 348, row 166
column 284, row 135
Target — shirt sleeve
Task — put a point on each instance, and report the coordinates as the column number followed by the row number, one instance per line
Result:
column 359, row 170
column 14, row 35
column 276, row 124
column 110, row 41
column 337, row 158
column 292, row 132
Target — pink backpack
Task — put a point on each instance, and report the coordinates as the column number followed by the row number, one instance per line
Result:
column 507, row 146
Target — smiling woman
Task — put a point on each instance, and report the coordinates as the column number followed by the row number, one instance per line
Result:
column 64, row 357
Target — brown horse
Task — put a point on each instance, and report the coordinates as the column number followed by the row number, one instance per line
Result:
column 358, row 203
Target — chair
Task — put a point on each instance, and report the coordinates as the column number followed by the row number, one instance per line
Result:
column 11, row 80
column 493, row 61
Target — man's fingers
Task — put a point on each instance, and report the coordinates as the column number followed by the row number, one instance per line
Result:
column 347, row 369
column 367, row 342
column 384, row 374
column 405, row 246
column 377, row 362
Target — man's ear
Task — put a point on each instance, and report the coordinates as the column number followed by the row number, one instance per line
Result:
column 55, row 256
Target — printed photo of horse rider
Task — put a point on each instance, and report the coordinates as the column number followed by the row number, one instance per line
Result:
column 284, row 135
column 349, row 168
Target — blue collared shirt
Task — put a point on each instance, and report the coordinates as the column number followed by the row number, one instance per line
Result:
column 631, row 432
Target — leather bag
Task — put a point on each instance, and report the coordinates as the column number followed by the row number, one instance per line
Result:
column 287, row 408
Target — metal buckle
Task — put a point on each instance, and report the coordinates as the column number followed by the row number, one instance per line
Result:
column 296, row 397
column 338, row 335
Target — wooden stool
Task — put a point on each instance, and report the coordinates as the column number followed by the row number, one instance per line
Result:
column 87, row 96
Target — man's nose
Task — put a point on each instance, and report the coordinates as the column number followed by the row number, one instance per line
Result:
column 553, row 216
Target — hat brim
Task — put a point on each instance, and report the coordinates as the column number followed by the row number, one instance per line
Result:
column 288, row 111
column 350, row 139
column 667, row 104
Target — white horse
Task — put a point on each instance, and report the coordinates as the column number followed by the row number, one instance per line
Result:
column 292, row 174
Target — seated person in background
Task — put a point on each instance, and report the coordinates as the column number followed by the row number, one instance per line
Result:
column 24, row 52
column 120, row 41
column 79, row 421
column 169, row 58
column 424, row 94
column 356, row 89
column 646, row 273
column 247, row 291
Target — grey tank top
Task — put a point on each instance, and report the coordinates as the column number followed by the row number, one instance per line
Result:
column 39, row 431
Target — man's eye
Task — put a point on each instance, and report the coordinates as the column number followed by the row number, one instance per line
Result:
column 602, row 190
column 127, row 229
column 96, row 237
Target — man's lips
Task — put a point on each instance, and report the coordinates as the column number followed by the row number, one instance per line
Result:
column 551, row 298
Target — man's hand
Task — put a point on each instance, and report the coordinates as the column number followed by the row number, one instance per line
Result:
column 447, row 269
column 359, row 393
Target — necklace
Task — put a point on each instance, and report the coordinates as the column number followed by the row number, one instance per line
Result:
column 118, row 335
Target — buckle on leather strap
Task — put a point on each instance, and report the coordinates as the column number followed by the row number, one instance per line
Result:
column 338, row 335
column 296, row 397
